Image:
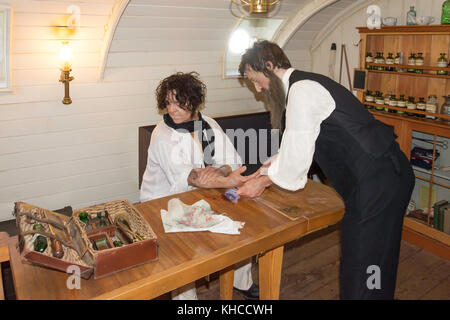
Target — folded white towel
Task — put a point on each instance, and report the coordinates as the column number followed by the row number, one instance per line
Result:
column 198, row 217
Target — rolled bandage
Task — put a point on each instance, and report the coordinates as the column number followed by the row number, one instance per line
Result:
column 232, row 195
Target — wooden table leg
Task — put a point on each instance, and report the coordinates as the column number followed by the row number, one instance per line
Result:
column 226, row 279
column 270, row 274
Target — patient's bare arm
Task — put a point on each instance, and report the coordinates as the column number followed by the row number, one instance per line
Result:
column 223, row 177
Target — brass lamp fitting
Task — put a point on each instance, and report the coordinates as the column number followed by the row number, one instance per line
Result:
column 66, row 78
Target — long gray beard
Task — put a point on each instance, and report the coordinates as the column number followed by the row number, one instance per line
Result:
column 276, row 100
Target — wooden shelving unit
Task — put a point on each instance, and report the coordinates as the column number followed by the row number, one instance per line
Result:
column 431, row 41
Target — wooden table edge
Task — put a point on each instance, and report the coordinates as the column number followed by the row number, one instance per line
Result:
column 278, row 237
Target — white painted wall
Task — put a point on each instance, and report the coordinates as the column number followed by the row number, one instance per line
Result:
column 53, row 155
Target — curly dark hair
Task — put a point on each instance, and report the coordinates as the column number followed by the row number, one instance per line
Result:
column 189, row 91
column 262, row 52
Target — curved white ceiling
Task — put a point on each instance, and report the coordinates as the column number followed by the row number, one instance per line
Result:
column 153, row 22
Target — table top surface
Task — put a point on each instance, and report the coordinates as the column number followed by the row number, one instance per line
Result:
column 186, row 256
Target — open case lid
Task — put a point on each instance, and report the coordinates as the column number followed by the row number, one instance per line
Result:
column 64, row 229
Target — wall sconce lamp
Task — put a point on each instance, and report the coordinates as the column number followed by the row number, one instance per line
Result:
column 65, row 54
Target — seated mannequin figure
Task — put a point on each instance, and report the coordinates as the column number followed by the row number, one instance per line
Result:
column 190, row 150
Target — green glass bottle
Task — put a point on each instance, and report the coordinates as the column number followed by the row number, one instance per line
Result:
column 445, row 19
column 411, row 105
column 401, row 103
column 84, row 216
column 38, row 226
column 419, row 62
column 379, row 100
column 369, row 59
column 411, row 62
column 443, row 63
column 393, row 103
column 40, row 243
column 390, row 60
column 421, row 106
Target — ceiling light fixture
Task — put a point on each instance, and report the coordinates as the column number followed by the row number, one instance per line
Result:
column 256, row 6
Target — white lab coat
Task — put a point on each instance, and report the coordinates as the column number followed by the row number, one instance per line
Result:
column 172, row 155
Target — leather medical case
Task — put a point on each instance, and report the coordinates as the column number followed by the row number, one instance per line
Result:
column 115, row 237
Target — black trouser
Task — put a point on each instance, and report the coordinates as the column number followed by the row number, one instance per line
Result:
column 372, row 228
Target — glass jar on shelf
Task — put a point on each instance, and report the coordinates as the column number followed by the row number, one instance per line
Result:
column 431, row 106
column 379, row 100
column 421, row 106
column 401, row 103
column 443, row 63
column 387, row 98
column 369, row 96
column 398, row 60
column 419, row 62
column 392, row 103
column 379, row 59
column 369, row 59
column 410, row 105
column 411, row 62
column 390, row 60
column 411, row 16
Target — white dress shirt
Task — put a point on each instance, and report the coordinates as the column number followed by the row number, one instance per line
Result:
column 308, row 105
column 172, row 155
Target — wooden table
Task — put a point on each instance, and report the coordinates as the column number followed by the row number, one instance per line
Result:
column 186, row 257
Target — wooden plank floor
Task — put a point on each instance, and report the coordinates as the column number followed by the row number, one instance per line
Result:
column 311, row 271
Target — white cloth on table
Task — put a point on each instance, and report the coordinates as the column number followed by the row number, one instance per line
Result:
column 180, row 217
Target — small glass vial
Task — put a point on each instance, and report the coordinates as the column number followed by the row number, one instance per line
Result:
column 379, row 59
column 391, row 61
column 369, row 59
column 419, row 62
column 369, row 96
column 410, row 105
column 379, row 99
column 392, row 103
column 421, row 106
column 411, row 62
column 401, row 103
column 431, row 106
column 387, row 98
column 411, row 16
column 443, row 63
column 397, row 59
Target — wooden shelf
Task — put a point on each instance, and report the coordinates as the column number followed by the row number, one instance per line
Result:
column 430, row 29
column 437, row 115
column 423, row 122
column 411, row 74
column 431, row 40
column 406, row 66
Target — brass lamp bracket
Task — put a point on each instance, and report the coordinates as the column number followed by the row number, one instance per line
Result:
column 66, row 78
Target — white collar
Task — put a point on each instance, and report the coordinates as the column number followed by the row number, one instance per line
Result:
column 285, row 79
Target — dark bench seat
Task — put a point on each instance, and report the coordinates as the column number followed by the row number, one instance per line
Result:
column 249, row 123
